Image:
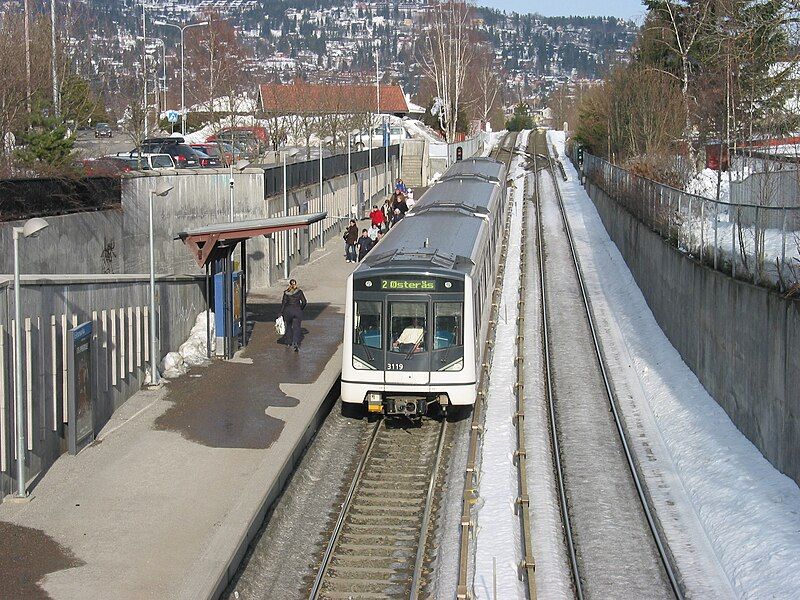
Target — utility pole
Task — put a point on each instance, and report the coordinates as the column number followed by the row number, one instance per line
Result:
column 56, row 96
column 144, row 68
column 27, row 59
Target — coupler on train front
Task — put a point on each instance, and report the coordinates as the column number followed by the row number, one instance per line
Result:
column 412, row 406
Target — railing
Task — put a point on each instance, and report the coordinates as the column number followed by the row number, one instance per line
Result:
column 306, row 172
column 752, row 242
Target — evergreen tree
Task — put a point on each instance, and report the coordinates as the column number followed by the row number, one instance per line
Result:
column 45, row 146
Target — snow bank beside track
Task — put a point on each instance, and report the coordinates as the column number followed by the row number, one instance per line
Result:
column 736, row 528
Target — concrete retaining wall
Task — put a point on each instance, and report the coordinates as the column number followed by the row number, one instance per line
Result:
column 116, row 241
column 742, row 341
column 100, row 249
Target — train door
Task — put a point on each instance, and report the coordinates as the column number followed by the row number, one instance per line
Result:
column 408, row 339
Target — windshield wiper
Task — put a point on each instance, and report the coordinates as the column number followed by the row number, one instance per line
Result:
column 366, row 348
column 414, row 348
column 447, row 350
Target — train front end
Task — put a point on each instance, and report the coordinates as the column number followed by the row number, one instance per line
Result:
column 408, row 341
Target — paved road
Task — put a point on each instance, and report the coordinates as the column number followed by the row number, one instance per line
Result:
column 90, row 147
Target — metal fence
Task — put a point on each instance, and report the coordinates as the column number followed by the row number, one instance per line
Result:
column 304, row 173
column 749, row 241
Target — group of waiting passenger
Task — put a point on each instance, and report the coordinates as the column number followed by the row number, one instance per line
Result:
column 381, row 220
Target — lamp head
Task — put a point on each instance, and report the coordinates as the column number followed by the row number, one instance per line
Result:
column 33, row 226
column 241, row 165
column 161, row 190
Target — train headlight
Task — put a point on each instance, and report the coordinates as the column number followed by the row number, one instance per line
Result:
column 448, row 284
column 368, row 283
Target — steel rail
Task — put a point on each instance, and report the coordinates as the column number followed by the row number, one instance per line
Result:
column 476, row 425
column 416, row 580
column 548, row 370
column 610, row 393
column 528, row 564
column 337, row 530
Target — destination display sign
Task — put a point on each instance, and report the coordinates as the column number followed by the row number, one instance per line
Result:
column 409, row 284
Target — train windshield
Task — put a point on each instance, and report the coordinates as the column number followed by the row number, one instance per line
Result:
column 368, row 323
column 408, row 327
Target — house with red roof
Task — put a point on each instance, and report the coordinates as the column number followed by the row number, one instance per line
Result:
column 301, row 98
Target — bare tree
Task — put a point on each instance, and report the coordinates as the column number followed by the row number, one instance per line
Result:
column 13, row 89
column 487, row 84
column 445, row 55
column 214, row 74
column 682, row 23
column 278, row 124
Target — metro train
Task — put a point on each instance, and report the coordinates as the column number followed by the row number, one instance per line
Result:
column 417, row 306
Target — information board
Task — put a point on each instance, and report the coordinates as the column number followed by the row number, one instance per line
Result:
column 80, row 401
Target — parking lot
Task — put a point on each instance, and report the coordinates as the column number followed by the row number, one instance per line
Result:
column 90, row 147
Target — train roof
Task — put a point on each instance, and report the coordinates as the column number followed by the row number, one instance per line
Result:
column 448, row 225
column 482, row 167
column 443, row 239
column 470, row 191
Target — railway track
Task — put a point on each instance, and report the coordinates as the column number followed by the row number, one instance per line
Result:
column 377, row 547
column 595, row 571
column 503, row 151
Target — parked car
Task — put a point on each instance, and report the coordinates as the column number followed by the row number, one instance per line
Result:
column 206, row 161
column 361, row 139
column 106, row 166
column 176, row 147
column 146, row 162
column 222, row 152
column 103, row 130
column 252, row 140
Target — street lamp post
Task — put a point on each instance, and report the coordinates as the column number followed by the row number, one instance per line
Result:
column 163, row 102
column 239, row 166
column 161, row 82
column 161, row 190
column 31, row 228
column 182, row 29
column 144, row 67
column 53, row 66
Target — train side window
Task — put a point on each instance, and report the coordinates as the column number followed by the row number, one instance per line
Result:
column 447, row 325
column 367, row 323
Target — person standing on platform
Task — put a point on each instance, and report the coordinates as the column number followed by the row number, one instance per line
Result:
column 401, row 204
column 292, row 306
column 351, row 238
column 364, row 245
column 377, row 218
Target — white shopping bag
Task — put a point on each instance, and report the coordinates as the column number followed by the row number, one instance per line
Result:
column 280, row 326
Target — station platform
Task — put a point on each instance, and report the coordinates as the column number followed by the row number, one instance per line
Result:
column 164, row 503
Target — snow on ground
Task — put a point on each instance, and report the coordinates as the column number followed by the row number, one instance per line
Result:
column 418, row 130
column 192, row 352
column 748, row 512
column 492, row 139
column 498, row 527
column 705, row 183
column 728, row 242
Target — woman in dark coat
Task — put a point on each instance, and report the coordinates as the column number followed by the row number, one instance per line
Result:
column 292, row 306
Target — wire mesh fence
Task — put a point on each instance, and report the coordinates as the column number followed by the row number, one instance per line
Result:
column 749, row 241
